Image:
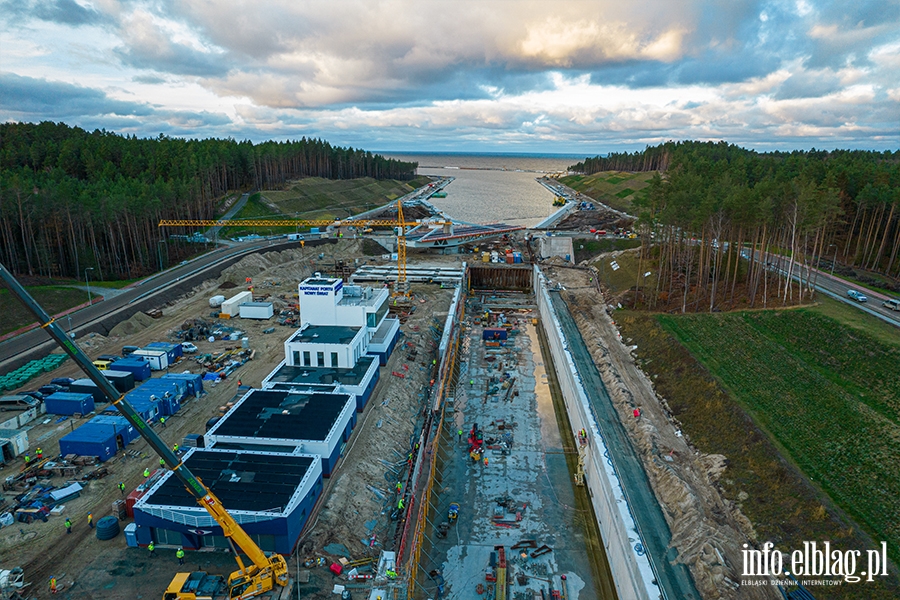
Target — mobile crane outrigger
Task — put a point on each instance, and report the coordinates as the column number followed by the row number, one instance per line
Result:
column 249, row 581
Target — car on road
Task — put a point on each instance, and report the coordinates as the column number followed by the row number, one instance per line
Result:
column 188, row 347
column 891, row 304
column 858, row 296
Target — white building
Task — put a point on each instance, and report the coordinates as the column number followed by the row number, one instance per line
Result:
column 326, row 301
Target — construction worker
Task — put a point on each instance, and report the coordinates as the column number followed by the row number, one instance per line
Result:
column 68, row 525
column 162, row 421
column 433, row 362
column 39, row 453
column 399, row 487
column 391, row 574
column 121, row 487
column 175, row 448
column 27, row 460
column 637, row 413
column 400, row 504
column 147, row 472
column 162, row 463
column 52, row 585
column 459, row 435
column 91, row 520
column 179, row 554
column 151, row 548
column 485, row 461
column 239, row 383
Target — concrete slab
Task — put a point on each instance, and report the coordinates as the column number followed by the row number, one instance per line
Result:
column 533, row 475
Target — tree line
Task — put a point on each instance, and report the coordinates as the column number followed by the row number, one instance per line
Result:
column 72, row 199
column 795, row 211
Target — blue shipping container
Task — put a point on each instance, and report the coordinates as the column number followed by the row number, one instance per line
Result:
column 136, row 366
column 148, row 409
column 69, row 403
column 102, row 437
column 194, row 381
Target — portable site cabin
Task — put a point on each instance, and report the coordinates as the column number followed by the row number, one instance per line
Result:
column 13, row 443
column 194, row 381
column 148, row 409
column 231, row 307
column 86, row 386
column 173, row 351
column 257, row 310
column 69, row 403
column 138, row 367
column 157, row 359
column 121, row 380
column 102, row 437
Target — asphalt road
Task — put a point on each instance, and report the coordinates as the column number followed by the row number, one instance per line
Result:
column 837, row 288
column 83, row 319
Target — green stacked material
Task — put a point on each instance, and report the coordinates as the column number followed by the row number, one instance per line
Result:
column 30, row 370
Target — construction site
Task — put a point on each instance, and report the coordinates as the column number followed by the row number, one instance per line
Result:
column 484, row 434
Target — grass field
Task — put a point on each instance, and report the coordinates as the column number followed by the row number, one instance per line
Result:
column 613, row 188
column 829, row 394
column 53, row 298
column 316, row 198
column 585, row 249
column 761, row 385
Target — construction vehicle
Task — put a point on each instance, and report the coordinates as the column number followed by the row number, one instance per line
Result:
column 251, row 580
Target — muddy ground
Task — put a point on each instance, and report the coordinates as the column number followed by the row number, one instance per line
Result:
column 88, row 568
column 707, row 529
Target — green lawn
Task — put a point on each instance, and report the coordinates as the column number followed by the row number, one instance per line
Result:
column 828, row 394
column 613, row 188
column 53, row 298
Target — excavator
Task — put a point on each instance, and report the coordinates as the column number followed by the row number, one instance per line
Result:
column 261, row 574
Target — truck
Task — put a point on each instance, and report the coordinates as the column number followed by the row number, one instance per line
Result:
column 263, row 574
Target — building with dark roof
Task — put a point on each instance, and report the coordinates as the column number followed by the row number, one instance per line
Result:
column 358, row 380
column 287, row 422
column 271, row 495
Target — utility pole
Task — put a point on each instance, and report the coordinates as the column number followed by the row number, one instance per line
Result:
column 88, row 281
column 835, row 258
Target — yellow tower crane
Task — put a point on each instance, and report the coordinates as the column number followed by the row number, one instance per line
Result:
column 401, row 289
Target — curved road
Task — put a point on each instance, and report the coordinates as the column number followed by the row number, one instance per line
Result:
column 35, row 339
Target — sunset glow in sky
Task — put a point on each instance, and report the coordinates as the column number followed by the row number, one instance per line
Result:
column 487, row 75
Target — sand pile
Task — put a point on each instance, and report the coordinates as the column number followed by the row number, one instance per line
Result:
column 138, row 322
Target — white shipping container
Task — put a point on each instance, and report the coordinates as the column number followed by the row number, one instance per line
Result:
column 16, row 440
column 231, row 307
column 257, row 310
column 157, row 359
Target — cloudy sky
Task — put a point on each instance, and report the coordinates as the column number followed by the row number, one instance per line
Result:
column 567, row 76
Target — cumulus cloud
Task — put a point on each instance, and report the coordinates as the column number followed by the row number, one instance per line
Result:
column 509, row 72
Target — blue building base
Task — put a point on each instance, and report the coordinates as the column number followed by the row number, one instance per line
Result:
column 275, row 535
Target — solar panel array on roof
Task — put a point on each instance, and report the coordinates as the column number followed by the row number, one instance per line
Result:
column 283, row 415
column 242, row 481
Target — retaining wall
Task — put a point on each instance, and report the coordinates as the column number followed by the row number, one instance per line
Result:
column 630, row 567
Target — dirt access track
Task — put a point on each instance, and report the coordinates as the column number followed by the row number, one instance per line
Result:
column 707, row 530
column 349, row 513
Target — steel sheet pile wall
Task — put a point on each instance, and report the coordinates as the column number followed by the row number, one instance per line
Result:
column 631, row 570
column 500, row 278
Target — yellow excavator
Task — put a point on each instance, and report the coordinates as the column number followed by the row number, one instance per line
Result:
column 261, row 574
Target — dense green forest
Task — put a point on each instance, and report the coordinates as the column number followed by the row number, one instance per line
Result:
column 711, row 200
column 72, row 199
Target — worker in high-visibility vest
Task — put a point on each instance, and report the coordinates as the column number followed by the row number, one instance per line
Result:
column 39, row 453
column 91, row 520
column 162, row 463
column 179, row 554
column 53, row 585
column 151, row 548
column 27, row 460
column 121, row 487
column 400, row 504
column 175, row 448
column 147, row 472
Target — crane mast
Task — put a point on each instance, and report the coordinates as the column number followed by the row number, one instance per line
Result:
column 251, row 580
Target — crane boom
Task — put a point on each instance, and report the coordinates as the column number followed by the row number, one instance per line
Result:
column 252, row 580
